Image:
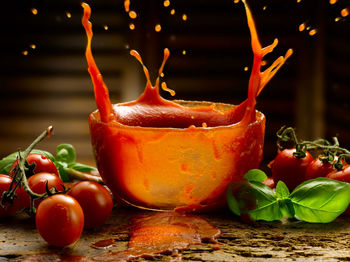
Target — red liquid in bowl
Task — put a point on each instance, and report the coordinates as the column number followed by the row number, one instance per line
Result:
column 161, row 154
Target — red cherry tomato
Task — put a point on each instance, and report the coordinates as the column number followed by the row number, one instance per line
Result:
column 289, row 168
column 318, row 168
column 342, row 175
column 95, row 200
column 42, row 164
column 59, row 220
column 8, row 209
column 37, row 184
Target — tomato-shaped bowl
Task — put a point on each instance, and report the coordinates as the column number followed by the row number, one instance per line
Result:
column 167, row 168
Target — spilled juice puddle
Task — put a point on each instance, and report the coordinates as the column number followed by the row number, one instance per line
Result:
column 163, row 233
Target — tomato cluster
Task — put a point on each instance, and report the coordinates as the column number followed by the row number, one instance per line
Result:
column 293, row 170
column 87, row 204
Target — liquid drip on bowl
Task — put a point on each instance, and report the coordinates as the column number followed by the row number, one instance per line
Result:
column 163, row 233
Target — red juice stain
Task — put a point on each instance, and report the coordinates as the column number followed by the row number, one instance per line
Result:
column 103, row 244
column 164, row 233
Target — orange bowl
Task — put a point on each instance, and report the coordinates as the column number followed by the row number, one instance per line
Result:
column 167, row 168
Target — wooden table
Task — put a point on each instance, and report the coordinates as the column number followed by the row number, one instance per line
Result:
column 287, row 240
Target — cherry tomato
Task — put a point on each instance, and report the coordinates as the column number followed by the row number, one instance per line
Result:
column 60, row 220
column 289, row 168
column 8, row 209
column 95, row 200
column 37, row 184
column 342, row 175
column 318, row 168
column 42, row 164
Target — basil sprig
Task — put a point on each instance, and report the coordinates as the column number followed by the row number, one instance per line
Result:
column 319, row 200
column 65, row 162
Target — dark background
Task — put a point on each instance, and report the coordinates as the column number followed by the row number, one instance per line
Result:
column 51, row 86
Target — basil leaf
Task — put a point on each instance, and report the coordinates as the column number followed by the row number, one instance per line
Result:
column 62, row 168
column 81, row 167
column 255, row 199
column 282, row 190
column 6, row 162
column 65, row 153
column 255, row 175
column 320, row 200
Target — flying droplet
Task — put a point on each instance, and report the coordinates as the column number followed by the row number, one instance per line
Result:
column 172, row 12
column 298, row 1
column 32, row 46
column 127, row 5
column 157, row 28
column 337, row 19
column 308, row 28
column 166, row 3
column 127, row 46
column 332, row 2
column 184, row 17
column 132, row 14
column 131, row 26
column 236, row 1
column 345, row 12
column 302, row 27
column 105, row 27
column 246, row 68
column 204, row 124
column 162, row 74
column 69, row 15
column 165, row 88
column 264, row 8
column 34, row 11
column 25, row 52
column 184, row 52
column 313, row 32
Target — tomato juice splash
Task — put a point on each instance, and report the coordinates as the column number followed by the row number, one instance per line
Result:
column 160, row 154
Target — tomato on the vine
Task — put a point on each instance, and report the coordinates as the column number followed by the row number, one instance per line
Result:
column 42, row 164
column 290, row 168
column 95, row 200
column 37, row 184
column 341, row 175
column 8, row 209
column 60, row 220
column 318, row 168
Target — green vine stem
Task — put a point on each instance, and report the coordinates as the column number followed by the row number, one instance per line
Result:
column 331, row 152
column 83, row 176
column 20, row 179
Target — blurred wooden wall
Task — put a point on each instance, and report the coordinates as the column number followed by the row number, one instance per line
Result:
column 51, row 86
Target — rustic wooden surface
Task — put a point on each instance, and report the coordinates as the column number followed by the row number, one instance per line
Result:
column 287, row 240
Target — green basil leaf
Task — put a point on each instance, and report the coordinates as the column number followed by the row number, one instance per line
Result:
column 62, row 168
column 320, row 200
column 282, row 190
column 65, row 153
column 6, row 162
column 81, row 167
column 255, row 199
column 287, row 208
column 268, row 208
column 255, row 175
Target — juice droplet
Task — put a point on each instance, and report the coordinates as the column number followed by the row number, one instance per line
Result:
column 204, row 124
column 345, row 12
column 313, row 32
column 34, row 11
column 68, row 14
column 132, row 14
column 157, row 28
column 308, row 28
column 264, row 62
column 246, row 68
column 105, row 27
column 332, row 2
column 131, row 26
column 32, row 46
column 298, row 1
column 236, row 1
column 337, row 19
column 172, row 12
column 165, row 88
column 184, row 52
column 184, row 17
column 162, row 74
column 25, row 52
column 265, row 7
column 302, row 27
column 166, row 3
column 127, row 5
